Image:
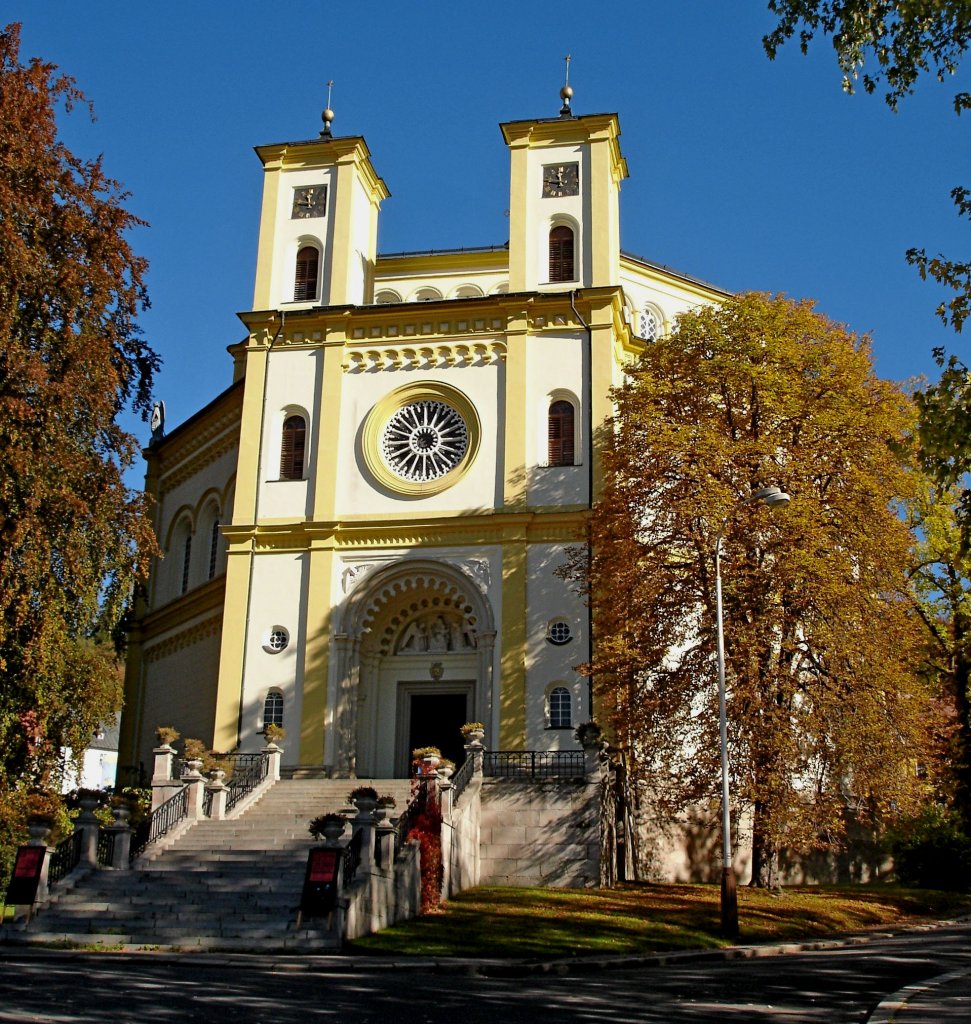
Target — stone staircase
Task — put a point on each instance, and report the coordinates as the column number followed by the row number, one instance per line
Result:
column 217, row 885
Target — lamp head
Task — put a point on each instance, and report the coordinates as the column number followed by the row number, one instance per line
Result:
column 771, row 496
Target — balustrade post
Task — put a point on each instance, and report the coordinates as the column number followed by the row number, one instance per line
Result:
column 195, row 784
column 88, row 825
column 364, row 820
column 219, row 791
column 275, row 755
column 121, row 850
column 384, row 845
column 477, row 750
column 163, row 785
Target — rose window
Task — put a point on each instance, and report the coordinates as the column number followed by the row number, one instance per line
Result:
column 424, row 440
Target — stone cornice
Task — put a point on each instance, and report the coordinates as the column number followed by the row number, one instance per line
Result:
column 212, row 436
column 184, row 609
column 163, row 648
column 351, row 534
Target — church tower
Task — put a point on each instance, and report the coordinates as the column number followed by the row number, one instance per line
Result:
column 564, row 211
column 318, row 224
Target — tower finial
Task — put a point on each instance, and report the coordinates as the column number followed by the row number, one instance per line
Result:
column 328, row 115
column 566, row 93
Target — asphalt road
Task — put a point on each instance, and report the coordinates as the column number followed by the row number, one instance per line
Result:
column 832, row 986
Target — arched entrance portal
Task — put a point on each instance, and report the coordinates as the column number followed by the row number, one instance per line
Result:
column 417, row 662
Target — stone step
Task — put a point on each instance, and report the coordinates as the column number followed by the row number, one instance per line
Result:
column 228, row 885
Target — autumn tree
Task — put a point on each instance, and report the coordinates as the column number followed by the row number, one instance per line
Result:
column 74, row 538
column 941, row 578
column 824, row 707
column 891, row 45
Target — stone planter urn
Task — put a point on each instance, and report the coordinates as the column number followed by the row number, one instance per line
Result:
column 445, row 772
column 365, row 804
column 217, row 776
column 39, row 828
column 475, row 736
column 431, row 763
column 88, row 801
column 333, row 830
column 121, row 814
column 194, row 764
column 380, row 812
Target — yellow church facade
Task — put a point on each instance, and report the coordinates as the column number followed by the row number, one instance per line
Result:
column 362, row 533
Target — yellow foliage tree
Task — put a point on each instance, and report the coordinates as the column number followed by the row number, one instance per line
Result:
column 825, row 708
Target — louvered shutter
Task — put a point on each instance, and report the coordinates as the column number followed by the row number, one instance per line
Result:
column 305, row 281
column 561, row 254
column 560, row 432
column 292, row 448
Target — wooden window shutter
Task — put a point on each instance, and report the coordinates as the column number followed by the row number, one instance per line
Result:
column 292, row 448
column 560, row 432
column 561, row 254
column 305, row 282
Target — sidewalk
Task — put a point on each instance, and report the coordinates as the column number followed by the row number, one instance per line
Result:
column 945, row 999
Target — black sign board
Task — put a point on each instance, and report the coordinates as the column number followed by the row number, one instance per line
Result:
column 319, row 896
column 22, row 889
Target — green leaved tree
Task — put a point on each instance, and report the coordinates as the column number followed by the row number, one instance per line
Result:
column 825, row 708
column 890, row 45
column 941, row 577
column 74, row 539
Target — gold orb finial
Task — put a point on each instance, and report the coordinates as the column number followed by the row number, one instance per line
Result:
column 566, row 93
column 328, row 115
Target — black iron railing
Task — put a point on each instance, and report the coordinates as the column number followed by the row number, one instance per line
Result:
column 65, row 858
column 534, row 764
column 351, row 858
column 162, row 820
column 106, row 847
column 461, row 778
column 407, row 820
column 248, row 771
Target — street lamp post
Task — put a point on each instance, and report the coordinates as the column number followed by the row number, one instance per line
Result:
column 772, row 497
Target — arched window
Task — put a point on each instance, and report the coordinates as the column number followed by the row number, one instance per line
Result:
column 560, row 434
column 561, row 254
column 273, row 709
column 305, row 280
column 186, row 562
column 648, row 324
column 561, row 708
column 292, row 448
column 213, row 547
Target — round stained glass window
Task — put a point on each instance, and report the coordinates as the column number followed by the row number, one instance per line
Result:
column 424, row 440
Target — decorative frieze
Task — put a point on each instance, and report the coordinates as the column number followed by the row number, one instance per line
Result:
column 425, row 357
column 154, row 651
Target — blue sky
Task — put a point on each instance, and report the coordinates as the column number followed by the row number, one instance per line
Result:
column 747, row 173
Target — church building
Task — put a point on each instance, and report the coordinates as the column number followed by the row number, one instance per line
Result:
column 362, row 533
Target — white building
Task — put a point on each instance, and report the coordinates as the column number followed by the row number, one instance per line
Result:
column 362, row 532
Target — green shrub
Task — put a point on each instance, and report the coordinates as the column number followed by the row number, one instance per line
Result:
column 931, row 851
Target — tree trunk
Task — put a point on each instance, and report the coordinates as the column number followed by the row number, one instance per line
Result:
column 961, row 678
column 764, row 852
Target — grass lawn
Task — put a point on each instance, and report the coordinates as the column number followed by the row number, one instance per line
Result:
column 640, row 918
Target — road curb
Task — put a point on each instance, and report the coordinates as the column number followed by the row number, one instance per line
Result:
column 341, row 963
column 888, row 1008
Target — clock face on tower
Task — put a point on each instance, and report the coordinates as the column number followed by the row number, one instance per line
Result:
column 561, row 180
column 424, row 440
column 309, row 201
